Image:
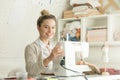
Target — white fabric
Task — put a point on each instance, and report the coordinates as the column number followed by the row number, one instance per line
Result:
column 79, row 8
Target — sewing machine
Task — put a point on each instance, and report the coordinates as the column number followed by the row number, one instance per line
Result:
column 67, row 64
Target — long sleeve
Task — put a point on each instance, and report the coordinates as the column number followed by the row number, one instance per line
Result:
column 34, row 60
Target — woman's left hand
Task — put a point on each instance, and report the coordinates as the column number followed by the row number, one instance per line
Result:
column 57, row 51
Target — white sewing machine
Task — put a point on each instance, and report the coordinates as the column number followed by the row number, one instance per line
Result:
column 66, row 65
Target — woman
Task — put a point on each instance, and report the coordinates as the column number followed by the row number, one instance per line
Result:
column 40, row 54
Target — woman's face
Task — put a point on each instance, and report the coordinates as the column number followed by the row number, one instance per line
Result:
column 47, row 29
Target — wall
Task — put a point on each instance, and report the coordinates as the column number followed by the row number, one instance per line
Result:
column 18, row 28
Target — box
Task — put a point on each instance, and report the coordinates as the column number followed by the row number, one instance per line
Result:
column 96, row 35
column 88, row 12
column 68, row 14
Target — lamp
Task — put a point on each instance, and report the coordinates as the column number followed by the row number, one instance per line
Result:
column 105, row 58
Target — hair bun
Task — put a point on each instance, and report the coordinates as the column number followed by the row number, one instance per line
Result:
column 45, row 12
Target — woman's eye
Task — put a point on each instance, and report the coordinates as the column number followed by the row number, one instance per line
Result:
column 46, row 26
column 53, row 27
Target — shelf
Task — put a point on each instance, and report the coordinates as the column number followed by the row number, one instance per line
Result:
column 108, row 22
column 114, row 43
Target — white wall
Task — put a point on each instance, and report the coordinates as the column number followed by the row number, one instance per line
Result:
column 16, row 34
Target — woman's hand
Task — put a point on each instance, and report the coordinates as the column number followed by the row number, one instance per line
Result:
column 56, row 51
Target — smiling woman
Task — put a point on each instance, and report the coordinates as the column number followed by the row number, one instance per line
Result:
column 40, row 54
